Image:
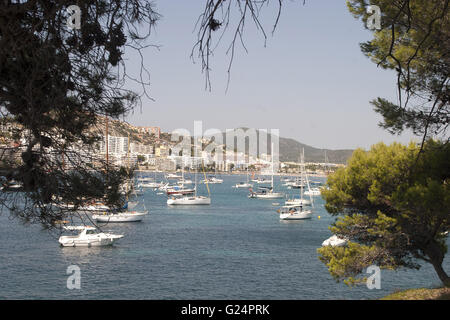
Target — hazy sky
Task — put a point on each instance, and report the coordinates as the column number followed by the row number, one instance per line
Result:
column 311, row 81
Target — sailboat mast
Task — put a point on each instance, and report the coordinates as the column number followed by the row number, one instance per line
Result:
column 301, row 175
column 272, row 163
column 128, row 164
column 307, row 183
column 247, row 174
column 107, row 142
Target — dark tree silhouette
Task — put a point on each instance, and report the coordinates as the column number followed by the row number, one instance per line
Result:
column 56, row 83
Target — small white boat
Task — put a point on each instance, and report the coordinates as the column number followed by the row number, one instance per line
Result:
column 261, row 181
column 88, row 237
column 213, row 180
column 266, row 193
column 243, row 185
column 297, row 185
column 145, row 179
column 189, row 200
column 184, row 181
column 12, row 186
column 313, row 192
column 294, row 213
column 298, row 202
column 173, row 176
column 94, row 207
column 126, row 216
column 335, row 241
column 149, row 185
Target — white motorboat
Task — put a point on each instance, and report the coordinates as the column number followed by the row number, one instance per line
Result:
column 88, row 237
column 335, row 241
column 313, row 192
column 261, row 181
column 294, row 213
column 213, row 180
column 94, row 207
column 126, row 216
column 173, row 176
column 189, row 200
column 289, row 183
column 12, row 186
column 151, row 184
column 184, row 181
column 243, row 185
column 297, row 185
column 145, row 179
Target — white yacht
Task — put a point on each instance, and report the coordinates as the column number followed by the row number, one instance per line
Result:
column 88, row 237
column 126, row 216
column 189, row 200
column 94, row 207
column 213, row 180
column 294, row 213
column 261, row 181
column 313, row 192
column 150, row 184
column 173, row 176
column 243, row 185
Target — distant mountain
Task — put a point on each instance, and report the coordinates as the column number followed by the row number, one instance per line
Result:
column 290, row 150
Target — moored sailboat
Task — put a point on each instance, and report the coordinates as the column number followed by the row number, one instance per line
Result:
column 266, row 192
column 294, row 212
column 191, row 199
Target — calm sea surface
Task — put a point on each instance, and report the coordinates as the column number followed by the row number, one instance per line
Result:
column 236, row 248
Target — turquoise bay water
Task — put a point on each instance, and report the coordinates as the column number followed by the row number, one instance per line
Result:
column 236, row 248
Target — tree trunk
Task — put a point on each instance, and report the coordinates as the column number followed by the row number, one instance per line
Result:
column 434, row 252
column 441, row 273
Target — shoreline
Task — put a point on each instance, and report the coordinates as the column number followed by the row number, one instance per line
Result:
column 318, row 175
